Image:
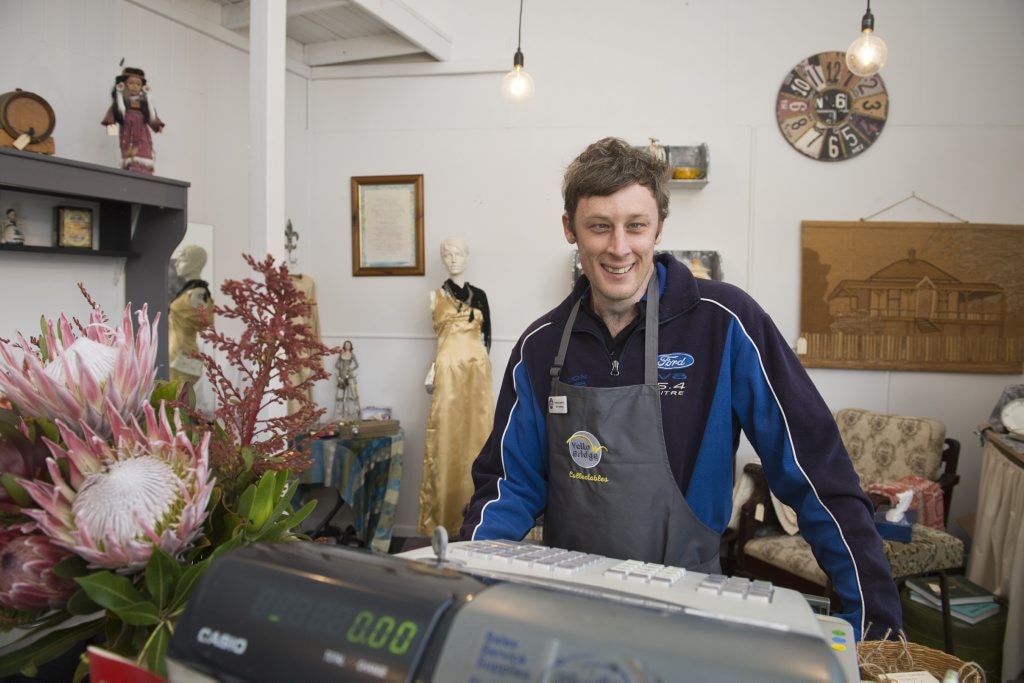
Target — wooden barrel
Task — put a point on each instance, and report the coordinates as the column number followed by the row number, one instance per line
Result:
column 25, row 113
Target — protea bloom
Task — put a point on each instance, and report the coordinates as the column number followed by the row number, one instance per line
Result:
column 83, row 373
column 120, row 499
column 27, row 581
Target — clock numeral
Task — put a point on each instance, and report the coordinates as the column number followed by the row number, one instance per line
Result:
column 813, row 74
column 852, row 142
column 811, row 142
column 800, row 86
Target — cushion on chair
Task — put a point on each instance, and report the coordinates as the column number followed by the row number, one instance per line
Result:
column 790, row 553
column 885, row 447
column 929, row 550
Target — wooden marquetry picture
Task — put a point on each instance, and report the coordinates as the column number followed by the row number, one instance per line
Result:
column 912, row 296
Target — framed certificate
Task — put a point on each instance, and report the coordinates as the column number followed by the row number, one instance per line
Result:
column 387, row 225
column 74, row 227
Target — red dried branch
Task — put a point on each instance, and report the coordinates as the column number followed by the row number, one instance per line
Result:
column 275, row 345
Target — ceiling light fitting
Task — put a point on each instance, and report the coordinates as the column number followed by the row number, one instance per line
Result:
column 867, row 54
column 518, row 84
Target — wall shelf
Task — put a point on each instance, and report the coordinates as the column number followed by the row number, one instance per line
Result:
column 68, row 251
column 688, row 157
column 141, row 218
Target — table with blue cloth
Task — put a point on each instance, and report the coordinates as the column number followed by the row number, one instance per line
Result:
column 367, row 471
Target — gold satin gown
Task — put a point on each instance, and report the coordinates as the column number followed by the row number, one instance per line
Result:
column 461, row 414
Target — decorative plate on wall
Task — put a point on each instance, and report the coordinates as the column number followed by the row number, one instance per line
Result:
column 827, row 112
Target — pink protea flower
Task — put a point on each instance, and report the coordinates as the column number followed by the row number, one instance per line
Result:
column 147, row 488
column 27, row 581
column 83, row 373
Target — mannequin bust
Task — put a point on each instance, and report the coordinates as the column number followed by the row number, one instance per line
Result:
column 185, row 315
column 455, row 256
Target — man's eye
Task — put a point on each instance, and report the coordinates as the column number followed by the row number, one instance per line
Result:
column 637, row 226
column 600, row 227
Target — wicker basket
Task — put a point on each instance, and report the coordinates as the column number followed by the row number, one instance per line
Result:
column 878, row 657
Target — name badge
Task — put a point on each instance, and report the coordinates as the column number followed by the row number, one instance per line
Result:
column 558, row 405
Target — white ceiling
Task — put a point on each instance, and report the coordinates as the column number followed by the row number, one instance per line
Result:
column 333, row 32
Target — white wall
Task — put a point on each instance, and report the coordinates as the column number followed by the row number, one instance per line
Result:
column 685, row 72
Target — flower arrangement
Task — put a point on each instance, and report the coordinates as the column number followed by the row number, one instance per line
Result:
column 116, row 494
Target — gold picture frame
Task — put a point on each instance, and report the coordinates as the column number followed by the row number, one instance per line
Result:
column 387, row 225
column 75, row 227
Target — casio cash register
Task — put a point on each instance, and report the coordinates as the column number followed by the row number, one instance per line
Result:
column 493, row 611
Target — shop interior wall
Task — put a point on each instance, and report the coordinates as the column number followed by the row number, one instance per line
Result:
column 684, row 72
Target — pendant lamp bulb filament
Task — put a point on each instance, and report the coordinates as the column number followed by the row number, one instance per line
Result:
column 517, row 83
column 867, row 54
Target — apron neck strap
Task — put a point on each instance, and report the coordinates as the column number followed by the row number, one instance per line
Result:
column 650, row 335
column 651, row 330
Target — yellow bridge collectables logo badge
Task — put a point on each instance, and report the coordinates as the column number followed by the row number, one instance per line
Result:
column 585, row 449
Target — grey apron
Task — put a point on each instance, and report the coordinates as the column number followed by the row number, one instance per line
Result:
column 610, row 487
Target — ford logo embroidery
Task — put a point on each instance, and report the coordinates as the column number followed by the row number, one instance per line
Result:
column 674, row 361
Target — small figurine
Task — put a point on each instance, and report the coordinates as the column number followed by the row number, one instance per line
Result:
column 11, row 232
column 657, row 150
column 134, row 113
column 346, row 398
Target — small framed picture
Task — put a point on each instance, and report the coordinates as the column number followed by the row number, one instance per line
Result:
column 74, row 227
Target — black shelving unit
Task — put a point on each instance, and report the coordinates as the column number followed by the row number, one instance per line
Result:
column 141, row 219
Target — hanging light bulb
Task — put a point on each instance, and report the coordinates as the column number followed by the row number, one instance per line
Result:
column 518, row 84
column 867, row 55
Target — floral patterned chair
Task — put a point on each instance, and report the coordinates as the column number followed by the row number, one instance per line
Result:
column 883, row 448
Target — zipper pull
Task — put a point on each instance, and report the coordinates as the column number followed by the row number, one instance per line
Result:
column 615, row 368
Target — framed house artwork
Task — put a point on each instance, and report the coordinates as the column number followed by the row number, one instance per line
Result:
column 945, row 297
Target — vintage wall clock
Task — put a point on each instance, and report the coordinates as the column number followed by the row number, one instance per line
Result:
column 829, row 113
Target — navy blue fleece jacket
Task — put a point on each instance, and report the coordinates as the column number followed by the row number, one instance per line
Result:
column 722, row 366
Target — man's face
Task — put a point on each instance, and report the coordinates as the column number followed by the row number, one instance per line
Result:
column 616, row 236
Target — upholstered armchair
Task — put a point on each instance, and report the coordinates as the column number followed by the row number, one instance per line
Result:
column 884, row 448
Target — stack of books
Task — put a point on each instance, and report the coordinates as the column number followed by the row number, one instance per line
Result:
column 967, row 600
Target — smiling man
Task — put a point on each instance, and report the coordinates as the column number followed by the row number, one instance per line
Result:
column 620, row 410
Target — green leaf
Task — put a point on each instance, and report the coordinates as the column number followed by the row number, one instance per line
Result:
column 81, row 604
column 154, row 654
column 185, row 584
column 142, row 613
column 71, row 567
column 48, row 429
column 47, row 648
column 164, row 391
column 267, row 492
column 44, row 352
column 15, row 490
column 110, row 590
column 245, row 501
column 162, row 572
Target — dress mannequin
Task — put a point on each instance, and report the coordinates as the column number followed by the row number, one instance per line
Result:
column 186, row 314
column 462, row 395
column 306, row 285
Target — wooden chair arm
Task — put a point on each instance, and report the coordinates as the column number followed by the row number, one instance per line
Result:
column 751, row 519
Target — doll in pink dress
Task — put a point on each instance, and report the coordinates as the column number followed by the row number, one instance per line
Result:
column 133, row 111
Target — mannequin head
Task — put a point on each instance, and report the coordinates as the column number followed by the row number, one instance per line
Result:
column 190, row 261
column 454, row 255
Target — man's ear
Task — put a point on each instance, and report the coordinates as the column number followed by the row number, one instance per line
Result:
column 661, row 228
column 570, row 237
